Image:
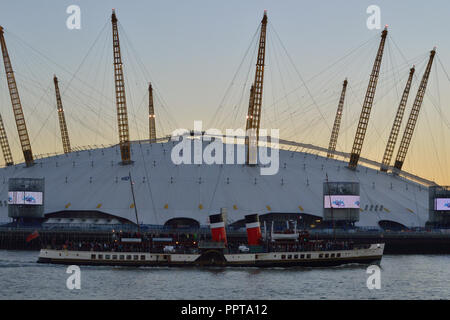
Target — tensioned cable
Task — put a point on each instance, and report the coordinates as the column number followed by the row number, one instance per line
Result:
column 329, row 66
column 239, row 105
column 146, row 75
column 221, row 104
column 426, row 93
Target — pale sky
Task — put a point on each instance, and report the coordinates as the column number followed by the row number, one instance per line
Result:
column 191, row 50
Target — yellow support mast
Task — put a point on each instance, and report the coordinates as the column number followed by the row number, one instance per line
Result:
column 256, row 94
column 397, row 123
column 367, row 105
column 412, row 120
column 337, row 122
column 151, row 115
column 62, row 118
column 121, row 101
column 16, row 104
column 5, row 144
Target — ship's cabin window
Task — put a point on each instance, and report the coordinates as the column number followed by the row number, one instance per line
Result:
column 308, row 256
column 326, row 255
column 290, row 256
column 100, row 256
column 338, row 255
column 142, row 257
column 107, row 257
column 128, row 256
column 92, row 256
column 302, row 256
column 321, row 255
column 283, row 256
column 114, row 257
column 122, row 257
column 296, row 256
column 332, row 255
column 135, row 257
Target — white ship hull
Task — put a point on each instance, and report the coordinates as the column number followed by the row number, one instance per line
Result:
column 370, row 254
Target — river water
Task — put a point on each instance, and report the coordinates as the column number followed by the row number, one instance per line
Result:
column 402, row 277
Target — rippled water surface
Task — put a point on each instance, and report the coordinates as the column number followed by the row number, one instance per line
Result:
column 402, row 277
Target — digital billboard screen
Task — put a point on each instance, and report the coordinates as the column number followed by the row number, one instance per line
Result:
column 442, row 204
column 25, row 197
column 341, row 202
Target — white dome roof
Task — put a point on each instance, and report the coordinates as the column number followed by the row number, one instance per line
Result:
column 93, row 180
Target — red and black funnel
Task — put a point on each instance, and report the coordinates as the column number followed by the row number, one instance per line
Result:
column 253, row 229
column 217, row 226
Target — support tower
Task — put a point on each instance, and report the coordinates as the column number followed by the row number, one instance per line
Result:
column 62, row 118
column 397, row 123
column 254, row 121
column 16, row 104
column 412, row 120
column 121, row 101
column 367, row 105
column 337, row 122
column 5, row 144
column 151, row 115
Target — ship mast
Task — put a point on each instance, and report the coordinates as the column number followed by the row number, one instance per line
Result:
column 151, row 115
column 412, row 120
column 121, row 102
column 254, row 112
column 397, row 123
column 367, row 105
column 134, row 201
column 5, row 145
column 16, row 105
column 62, row 118
column 337, row 122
